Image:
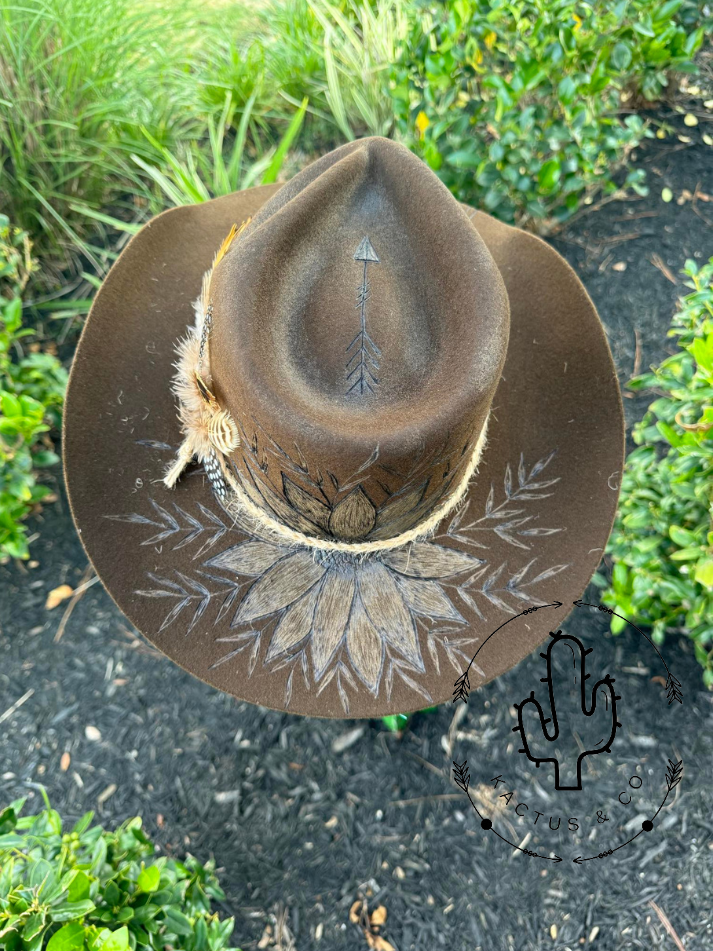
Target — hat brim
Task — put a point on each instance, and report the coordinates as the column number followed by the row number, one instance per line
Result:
column 538, row 512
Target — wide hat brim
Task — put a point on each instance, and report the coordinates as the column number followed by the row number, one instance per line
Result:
column 538, row 512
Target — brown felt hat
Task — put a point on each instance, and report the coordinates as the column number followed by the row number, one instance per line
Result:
column 322, row 438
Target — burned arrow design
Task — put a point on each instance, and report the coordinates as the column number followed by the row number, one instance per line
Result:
column 363, row 364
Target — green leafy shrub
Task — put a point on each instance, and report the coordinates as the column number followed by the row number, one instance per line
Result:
column 662, row 541
column 514, row 103
column 93, row 890
column 32, row 389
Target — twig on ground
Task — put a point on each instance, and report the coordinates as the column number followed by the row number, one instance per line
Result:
column 637, row 353
column 442, row 797
column 86, row 582
column 16, row 706
column 666, row 271
column 663, row 918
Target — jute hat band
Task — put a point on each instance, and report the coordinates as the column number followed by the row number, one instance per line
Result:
column 211, row 435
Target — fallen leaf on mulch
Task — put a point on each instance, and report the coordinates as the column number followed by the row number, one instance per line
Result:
column 370, row 924
column 58, row 595
column 378, row 943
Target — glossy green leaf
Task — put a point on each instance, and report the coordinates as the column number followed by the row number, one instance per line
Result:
column 148, row 879
column 69, row 938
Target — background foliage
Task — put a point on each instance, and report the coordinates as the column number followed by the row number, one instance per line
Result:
column 516, row 104
column 101, row 891
column 662, row 541
column 32, row 384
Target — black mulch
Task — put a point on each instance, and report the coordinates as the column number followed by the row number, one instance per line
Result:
column 298, row 828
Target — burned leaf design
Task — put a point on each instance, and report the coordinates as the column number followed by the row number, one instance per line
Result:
column 391, row 515
column 280, row 586
column 428, row 598
column 306, row 504
column 330, row 618
column 261, row 494
column 295, row 625
column 388, row 612
column 365, row 647
column 508, row 519
column 251, row 558
column 342, row 616
column 352, row 518
column 426, row 560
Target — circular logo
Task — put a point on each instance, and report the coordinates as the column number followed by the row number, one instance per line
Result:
column 566, row 760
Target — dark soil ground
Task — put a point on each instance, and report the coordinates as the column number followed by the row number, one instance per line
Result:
column 304, row 816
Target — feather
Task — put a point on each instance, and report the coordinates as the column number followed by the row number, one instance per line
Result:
column 193, row 411
column 192, row 385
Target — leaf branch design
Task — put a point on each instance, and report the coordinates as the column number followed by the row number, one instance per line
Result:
column 186, row 591
column 485, row 583
column 510, row 523
column 211, row 528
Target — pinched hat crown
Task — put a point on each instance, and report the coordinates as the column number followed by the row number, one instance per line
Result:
column 348, row 344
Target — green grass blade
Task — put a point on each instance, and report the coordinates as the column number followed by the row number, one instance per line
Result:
column 278, row 158
column 236, row 157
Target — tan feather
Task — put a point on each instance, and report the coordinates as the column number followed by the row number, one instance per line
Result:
column 203, row 424
column 234, row 232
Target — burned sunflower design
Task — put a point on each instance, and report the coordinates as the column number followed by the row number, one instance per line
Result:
column 358, row 621
column 366, row 605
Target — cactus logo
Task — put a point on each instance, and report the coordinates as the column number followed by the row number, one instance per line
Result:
column 602, row 716
column 573, row 754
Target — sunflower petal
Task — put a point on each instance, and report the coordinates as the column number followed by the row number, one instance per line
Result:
column 281, row 585
column 249, row 558
column 296, row 624
column 428, row 598
column 331, row 618
column 397, row 510
column 305, row 503
column 365, row 646
column 427, row 560
column 388, row 612
column 353, row 517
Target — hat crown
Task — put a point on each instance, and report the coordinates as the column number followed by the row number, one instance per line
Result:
column 359, row 328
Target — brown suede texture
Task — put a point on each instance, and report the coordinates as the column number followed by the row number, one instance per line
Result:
column 284, row 303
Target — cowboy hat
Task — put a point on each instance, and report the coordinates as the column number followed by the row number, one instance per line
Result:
column 322, row 438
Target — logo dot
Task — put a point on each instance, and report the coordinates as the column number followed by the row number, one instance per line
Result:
column 647, row 825
column 486, row 824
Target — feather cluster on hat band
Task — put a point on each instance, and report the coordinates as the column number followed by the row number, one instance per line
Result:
column 211, row 435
